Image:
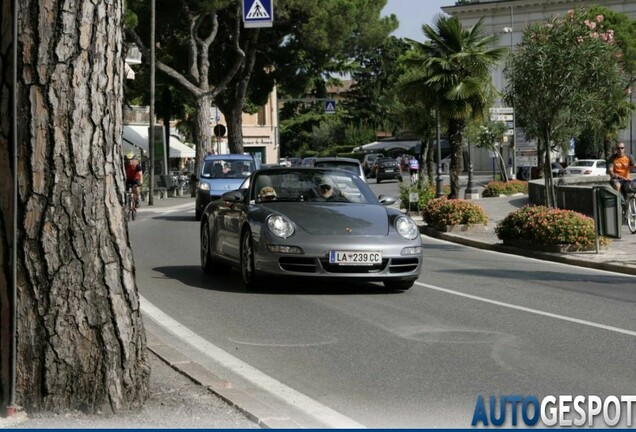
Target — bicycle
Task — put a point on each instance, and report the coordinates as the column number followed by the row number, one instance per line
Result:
column 415, row 177
column 131, row 204
column 629, row 209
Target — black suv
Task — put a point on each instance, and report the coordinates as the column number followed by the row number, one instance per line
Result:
column 387, row 168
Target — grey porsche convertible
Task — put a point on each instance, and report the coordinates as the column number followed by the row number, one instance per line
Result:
column 310, row 222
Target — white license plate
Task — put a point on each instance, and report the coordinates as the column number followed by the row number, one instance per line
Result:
column 389, row 170
column 355, row 257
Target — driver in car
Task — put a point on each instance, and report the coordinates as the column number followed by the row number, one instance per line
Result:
column 327, row 190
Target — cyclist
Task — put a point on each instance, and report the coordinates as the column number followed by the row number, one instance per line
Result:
column 619, row 165
column 414, row 169
column 134, row 176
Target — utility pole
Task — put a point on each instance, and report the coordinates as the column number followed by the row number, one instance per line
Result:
column 151, row 128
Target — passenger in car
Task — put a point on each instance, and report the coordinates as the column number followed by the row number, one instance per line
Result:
column 267, row 193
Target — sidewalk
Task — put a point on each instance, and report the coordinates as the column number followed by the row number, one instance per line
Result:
column 619, row 256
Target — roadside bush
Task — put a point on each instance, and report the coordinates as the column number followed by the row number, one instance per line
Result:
column 426, row 193
column 497, row 188
column 442, row 211
column 541, row 225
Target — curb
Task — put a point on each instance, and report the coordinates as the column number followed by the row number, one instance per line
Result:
column 254, row 409
column 546, row 256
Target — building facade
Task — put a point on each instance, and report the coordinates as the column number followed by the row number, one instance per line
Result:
column 509, row 18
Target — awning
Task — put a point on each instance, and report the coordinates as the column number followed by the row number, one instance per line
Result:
column 135, row 140
column 179, row 149
column 388, row 145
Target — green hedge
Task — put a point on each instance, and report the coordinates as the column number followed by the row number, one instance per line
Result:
column 542, row 225
column 497, row 188
column 442, row 211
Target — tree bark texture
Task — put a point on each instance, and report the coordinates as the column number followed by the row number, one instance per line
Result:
column 81, row 340
column 455, row 138
column 6, row 197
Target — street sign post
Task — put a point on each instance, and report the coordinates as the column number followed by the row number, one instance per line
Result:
column 258, row 13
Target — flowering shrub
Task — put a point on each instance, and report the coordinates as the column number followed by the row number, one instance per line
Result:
column 426, row 193
column 442, row 211
column 547, row 226
column 497, row 188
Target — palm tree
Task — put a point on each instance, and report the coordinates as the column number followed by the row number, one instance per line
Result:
column 455, row 65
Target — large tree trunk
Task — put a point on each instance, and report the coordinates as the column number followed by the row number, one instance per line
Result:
column 455, row 130
column 80, row 338
column 236, row 93
column 234, row 118
column 6, row 197
column 203, row 131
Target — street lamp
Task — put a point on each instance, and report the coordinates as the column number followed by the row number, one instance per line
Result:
column 513, row 143
column 438, row 185
column 631, row 121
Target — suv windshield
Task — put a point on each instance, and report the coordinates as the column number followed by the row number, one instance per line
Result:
column 228, row 168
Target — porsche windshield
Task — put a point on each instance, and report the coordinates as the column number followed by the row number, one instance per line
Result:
column 311, row 185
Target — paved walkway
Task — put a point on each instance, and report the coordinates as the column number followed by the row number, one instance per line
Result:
column 619, row 256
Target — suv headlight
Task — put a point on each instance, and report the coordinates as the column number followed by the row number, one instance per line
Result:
column 280, row 226
column 406, row 228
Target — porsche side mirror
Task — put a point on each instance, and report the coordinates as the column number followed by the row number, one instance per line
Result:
column 233, row 196
column 386, row 200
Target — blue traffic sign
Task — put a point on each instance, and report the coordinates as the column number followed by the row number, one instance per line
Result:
column 330, row 106
column 258, row 13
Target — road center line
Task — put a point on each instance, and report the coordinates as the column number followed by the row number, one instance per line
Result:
column 530, row 310
column 302, row 402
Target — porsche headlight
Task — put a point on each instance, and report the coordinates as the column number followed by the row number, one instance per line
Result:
column 204, row 186
column 406, row 228
column 280, row 226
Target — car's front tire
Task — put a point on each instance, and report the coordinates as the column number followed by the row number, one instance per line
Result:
column 248, row 269
column 399, row 285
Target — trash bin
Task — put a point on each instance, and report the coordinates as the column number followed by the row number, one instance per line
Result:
column 608, row 212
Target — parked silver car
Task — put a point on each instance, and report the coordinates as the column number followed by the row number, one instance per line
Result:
column 310, row 222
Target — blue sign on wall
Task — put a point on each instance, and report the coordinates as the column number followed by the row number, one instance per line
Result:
column 258, row 13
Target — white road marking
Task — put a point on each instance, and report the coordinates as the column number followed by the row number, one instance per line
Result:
column 529, row 310
column 172, row 209
column 302, row 402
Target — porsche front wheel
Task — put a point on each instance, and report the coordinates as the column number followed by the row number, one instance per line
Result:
column 248, row 269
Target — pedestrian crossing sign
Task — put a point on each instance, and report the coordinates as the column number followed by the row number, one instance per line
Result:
column 258, row 13
column 330, row 106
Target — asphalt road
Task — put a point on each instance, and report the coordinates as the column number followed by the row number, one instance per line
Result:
column 476, row 323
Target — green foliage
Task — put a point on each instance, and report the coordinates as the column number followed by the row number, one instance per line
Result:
column 498, row 188
column 369, row 100
column 451, row 74
column 490, row 133
column 425, row 194
column 547, row 226
column 624, row 34
column 566, row 77
column 440, row 212
column 359, row 134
